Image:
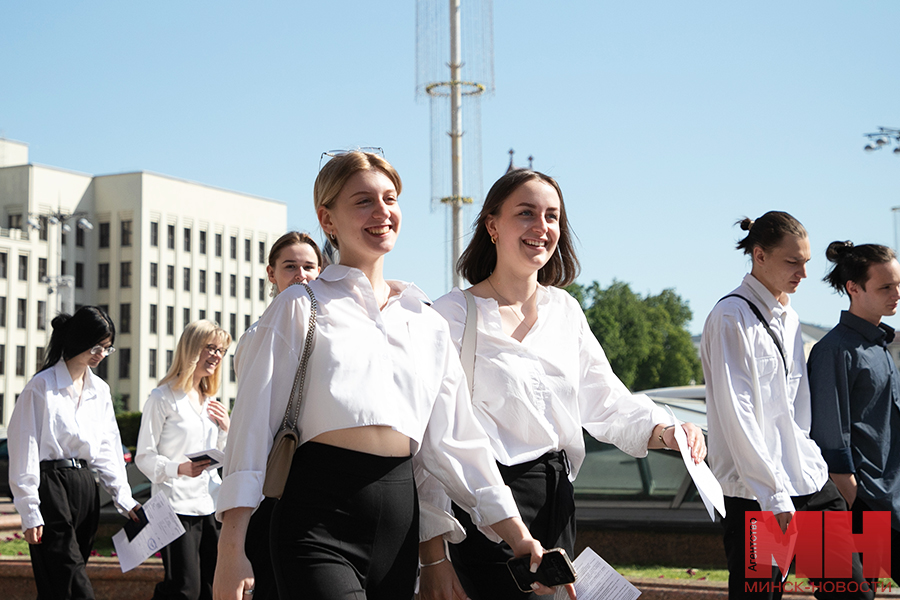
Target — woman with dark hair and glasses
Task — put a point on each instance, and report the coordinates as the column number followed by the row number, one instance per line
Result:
column 540, row 377
column 385, row 384
column 182, row 417
column 62, row 425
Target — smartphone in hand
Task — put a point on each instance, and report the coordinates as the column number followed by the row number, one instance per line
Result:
column 555, row 569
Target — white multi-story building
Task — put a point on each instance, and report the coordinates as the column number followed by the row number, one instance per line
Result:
column 156, row 252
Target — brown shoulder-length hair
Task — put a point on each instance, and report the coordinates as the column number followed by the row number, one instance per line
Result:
column 480, row 257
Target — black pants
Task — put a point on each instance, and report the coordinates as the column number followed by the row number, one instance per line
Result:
column 546, row 501
column 70, row 505
column 346, row 527
column 190, row 560
column 828, row 498
column 859, row 507
column 257, row 549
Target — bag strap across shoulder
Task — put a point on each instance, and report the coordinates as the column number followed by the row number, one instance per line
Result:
column 470, row 333
column 292, row 412
column 765, row 324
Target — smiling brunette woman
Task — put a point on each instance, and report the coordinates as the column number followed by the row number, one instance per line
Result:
column 181, row 417
column 63, row 423
column 540, row 376
column 387, row 385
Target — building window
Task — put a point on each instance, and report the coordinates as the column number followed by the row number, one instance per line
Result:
column 14, row 221
column 187, row 279
column 2, row 311
column 154, row 275
column 153, row 318
column 170, row 237
column 202, row 242
column 79, row 275
column 38, row 358
column 246, row 322
column 218, row 284
column 102, row 369
column 3, row 265
column 124, row 355
column 262, row 253
column 233, row 253
column 219, row 244
column 232, row 376
column 262, row 289
column 219, row 318
column 151, row 363
column 103, row 276
column 170, row 320
column 186, row 317
column 201, row 281
column 154, row 234
column 124, row 274
column 126, row 233
column 187, row 239
column 247, row 285
column 232, row 288
column 232, row 325
column 23, row 267
column 21, row 310
column 20, row 360
column 62, row 267
column 103, row 235
column 170, row 277
column 201, row 316
column 43, row 228
column 2, row 359
column 42, row 269
column 41, row 315
column 64, row 239
column 168, row 360
column 79, row 237
column 125, row 318
column 247, row 250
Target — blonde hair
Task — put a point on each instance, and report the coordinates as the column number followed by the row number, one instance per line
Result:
column 338, row 170
column 194, row 339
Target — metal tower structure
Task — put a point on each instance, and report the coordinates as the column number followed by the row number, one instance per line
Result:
column 450, row 35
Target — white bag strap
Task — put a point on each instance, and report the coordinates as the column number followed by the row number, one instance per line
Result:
column 467, row 352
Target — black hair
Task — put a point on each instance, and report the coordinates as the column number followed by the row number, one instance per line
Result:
column 73, row 334
column 851, row 263
column 767, row 231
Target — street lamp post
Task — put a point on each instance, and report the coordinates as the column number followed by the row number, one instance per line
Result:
column 63, row 285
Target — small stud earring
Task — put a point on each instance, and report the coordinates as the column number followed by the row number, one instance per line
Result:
column 493, row 240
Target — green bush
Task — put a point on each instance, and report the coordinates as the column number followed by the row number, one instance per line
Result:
column 129, row 426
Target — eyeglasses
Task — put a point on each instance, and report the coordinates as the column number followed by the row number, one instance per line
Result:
column 215, row 350
column 104, row 350
column 332, row 153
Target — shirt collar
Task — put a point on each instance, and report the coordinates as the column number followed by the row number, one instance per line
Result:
column 64, row 379
column 878, row 334
column 763, row 294
column 402, row 289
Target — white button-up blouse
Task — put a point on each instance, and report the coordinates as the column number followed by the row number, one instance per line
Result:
column 394, row 367
column 50, row 423
column 171, row 428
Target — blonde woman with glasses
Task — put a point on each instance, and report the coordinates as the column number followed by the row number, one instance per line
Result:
column 182, row 417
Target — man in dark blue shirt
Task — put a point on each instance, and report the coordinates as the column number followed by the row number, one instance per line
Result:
column 855, row 386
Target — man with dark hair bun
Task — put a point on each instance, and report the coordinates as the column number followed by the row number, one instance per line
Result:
column 855, row 385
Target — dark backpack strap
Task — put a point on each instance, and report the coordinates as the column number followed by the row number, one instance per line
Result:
column 765, row 324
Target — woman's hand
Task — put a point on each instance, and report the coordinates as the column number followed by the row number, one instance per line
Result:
column 34, row 534
column 233, row 579
column 218, row 414
column 193, row 469
column 132, row 514
column 437, row 578
column 514, row 533
column 695, row 439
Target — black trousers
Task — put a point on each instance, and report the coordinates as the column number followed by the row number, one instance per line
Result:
column 546, row 501
column 70, row 505
column 190, row 560
column 859, row 507
column 346, row 527
column 257, row 548
column 828, row 498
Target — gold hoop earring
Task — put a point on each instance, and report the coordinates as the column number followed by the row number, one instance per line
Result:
column 493, row 240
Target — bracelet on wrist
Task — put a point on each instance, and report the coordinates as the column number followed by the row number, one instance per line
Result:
column 431, row 564
column 661, row 439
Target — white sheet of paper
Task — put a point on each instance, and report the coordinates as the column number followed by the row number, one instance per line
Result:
column 162, row 527
column 707, row 485
column 598, row 581
column 217, row 457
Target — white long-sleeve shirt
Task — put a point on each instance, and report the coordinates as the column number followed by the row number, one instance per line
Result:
column 535, row 396
column 50, row 423
column 172, row 426
column 394, row 367
column 758, row 416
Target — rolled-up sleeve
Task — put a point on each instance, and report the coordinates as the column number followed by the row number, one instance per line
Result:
column 829, row 390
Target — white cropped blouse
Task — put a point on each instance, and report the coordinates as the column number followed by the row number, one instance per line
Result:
column 394, row 367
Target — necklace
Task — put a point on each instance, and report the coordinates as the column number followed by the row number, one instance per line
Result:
column 520, row 314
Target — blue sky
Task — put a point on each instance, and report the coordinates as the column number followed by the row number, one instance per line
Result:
column 663, row 122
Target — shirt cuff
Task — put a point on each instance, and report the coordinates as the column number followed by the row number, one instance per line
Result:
column 839, row 460
column 240, row 489
column 172, row 469
column 434, row 522
column 31, row 517
column 778, row 503
column 492, row 505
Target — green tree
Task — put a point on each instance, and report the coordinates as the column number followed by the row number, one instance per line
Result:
column 645, row 339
